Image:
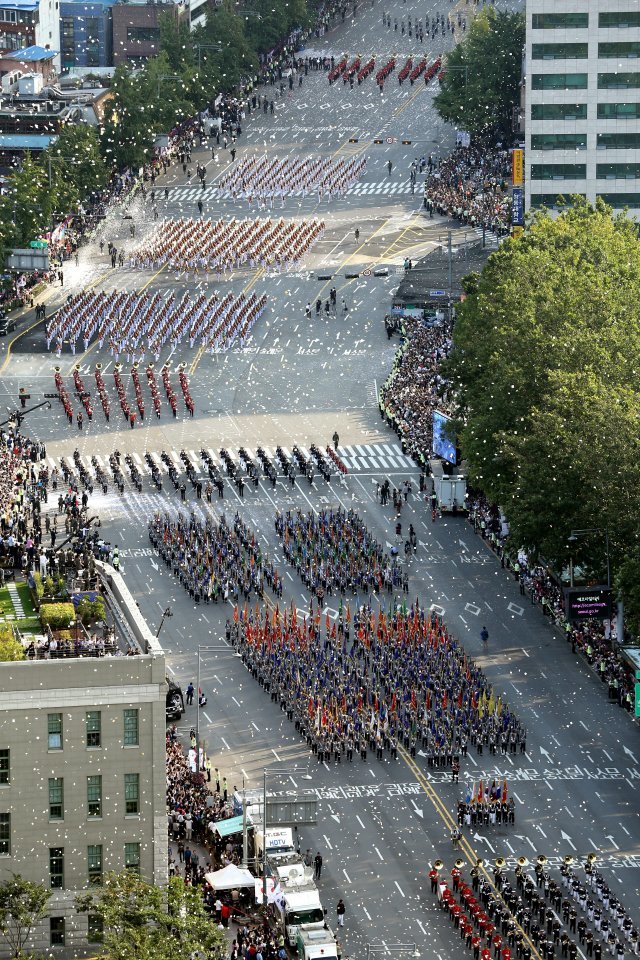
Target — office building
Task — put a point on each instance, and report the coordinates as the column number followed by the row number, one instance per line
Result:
column 86, row 34
column 136, row 29
column 82, row 778
column 582, row 115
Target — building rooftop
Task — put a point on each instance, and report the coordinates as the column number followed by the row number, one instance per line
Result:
column 34, row 54
column 25, row 141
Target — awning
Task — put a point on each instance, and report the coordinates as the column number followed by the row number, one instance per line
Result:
column 229, row 878
column 224, row 828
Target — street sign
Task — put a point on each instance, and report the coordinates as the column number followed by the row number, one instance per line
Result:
column 590, row 603
column 391, row 139
column 437, row 293
column 517, row 231
column 39, row 244
column 366, row 273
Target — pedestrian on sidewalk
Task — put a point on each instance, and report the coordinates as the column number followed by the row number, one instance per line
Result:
column 341, row 910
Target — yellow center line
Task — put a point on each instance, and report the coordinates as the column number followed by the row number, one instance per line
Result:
column 449, row 821
column 199, row 355
column 32, row 326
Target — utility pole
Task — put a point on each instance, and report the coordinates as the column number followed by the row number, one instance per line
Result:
column 450, row 256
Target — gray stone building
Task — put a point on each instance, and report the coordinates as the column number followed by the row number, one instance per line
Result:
column 82, row 774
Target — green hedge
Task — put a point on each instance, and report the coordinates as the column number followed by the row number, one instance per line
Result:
column 58, row 616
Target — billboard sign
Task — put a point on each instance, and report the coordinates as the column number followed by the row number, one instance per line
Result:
column 443, row 445
column 592, row 603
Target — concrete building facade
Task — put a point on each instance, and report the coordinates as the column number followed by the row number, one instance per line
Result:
column 86, row 34
column 582, row 116
column 82, row 779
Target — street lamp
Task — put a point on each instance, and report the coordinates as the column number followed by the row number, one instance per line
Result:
column 207, row 46
column 165, row 613
column 279, row 771
column 167, row 76
column 17, row 416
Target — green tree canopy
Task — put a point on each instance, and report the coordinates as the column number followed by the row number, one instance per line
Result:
column 545, row 360
column 143, row 922
column 25, row 210
column 23, row 904
column 480, row 86
column 76, row 163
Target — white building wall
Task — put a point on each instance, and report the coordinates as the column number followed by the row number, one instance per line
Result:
column 626, row 186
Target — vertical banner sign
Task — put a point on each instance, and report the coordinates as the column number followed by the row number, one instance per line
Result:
column 517, row 164
column 517, row 207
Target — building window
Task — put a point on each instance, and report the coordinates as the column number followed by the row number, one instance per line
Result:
column 627, row 50
column 617, row 171
column 95, row 928
column 94, row 728
column 56, row 867
column 132, row 857
column 94, row 861
column 618, row 141
column 553, row 201
column 94, row 796
column 559, row 81
column 559, row 21
column 559, row 141
column 620, row 200
column 558, row 171
column 559, row 51
column 56, row 798
column 143, row 34
column 619, row 111
column 132, row 793
column 558, row 111
column 131, row 728
column 618, row 81
column 5, row 834
column 625, row 18
column 55, row 731
column 5, row 766
column 56, row 931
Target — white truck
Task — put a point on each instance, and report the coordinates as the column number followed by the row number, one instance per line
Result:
column 451, row 493
column 289, row 868
column 301, row 907
column 279, row 841
column 314, row 944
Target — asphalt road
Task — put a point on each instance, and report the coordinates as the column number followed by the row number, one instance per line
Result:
column 380, row 824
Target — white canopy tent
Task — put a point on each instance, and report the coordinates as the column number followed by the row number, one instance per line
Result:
column 230, row 877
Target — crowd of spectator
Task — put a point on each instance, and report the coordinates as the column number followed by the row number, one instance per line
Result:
column 471, row 186
column 595, row 640
column 415, row 387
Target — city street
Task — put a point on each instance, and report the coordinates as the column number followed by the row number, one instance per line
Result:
column 381, row 824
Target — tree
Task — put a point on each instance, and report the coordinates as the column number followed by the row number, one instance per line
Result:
column 482, row 74
column 25, row 210
column 23, row 904
column 175, row 41
column 143, row 922
column 546, row 349
column 75, row 160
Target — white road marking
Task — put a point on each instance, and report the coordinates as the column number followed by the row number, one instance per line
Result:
column 378, row 852
column 348, row 878
column 399, row 888
column 327, row 841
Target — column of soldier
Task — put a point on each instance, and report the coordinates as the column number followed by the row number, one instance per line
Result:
column 537, row 915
